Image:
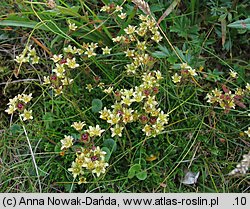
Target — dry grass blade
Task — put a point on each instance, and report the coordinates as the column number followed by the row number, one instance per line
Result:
column 223, row 31
column 143, row 6
column 168, row 10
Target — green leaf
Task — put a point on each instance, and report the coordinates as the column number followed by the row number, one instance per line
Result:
column 96, row 105
column 140, row 161
column 21, row 23
column 72, row 11
column 111, row 144
column 108, row 153
column 58, row 147
column 15, row 128
column 163, row 53
column 142, row 175
column 159, row 54
column 134, row 169
column 240, row 24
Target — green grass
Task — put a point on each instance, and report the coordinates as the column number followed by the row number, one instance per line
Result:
column 199, row 137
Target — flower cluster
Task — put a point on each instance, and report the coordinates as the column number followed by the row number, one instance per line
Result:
column 226, row 99
column 147, row 113
column 186, row 71
column 19, row 103
column 28, row 55
column 136, row 40
column 111, row 8
column 59, row 79
column 90, row 157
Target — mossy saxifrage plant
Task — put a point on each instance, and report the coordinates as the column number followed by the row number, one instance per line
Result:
column 137, row 105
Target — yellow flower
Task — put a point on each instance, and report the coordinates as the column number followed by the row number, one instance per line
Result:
column 122, row 15
column 93, row 45
column 113, row 119
column 184, row 66
column 216, row 92
column 78, row 125
column 72, row 26
column 162, row 118
column 95, row 131
column 76, row 169
column 98, row 152
column 26, row 98
column 138, row 96
column 248, row 132
column 117, row 130
column 248, row 87
column 239, row 92
column 158, row 128
column 100, row 168
column 127, row 93
column 118, row 39
column 32, row 52
column 21, row 59
column 127, row 100
column 89, row 164
column 129, row 53
column 141, row 31
column 106, row 50
column 46, row 80
column 66, row 81
column 105, row 8
column 13, row 101
column 59, row 70
column 58, row 90
column 151, row 101
column 192, row 72
column 143, row 17
column 233, row 74
column 141, row 45
column 56, row 58
column 131, row 68
column 105, row 113
column 67, row 142
column 118, row 8
column 108, row 90
column 27, row 115
column 130, row 29
column 158, row 75
column 156, row 37
column 68, row 49
column 90, row 53
column 82, row 180
column 11, row 109
column 89, row 87
column 72, row 63
column 127, row 116
column 35, row 59
column 147, row 130
column 176, row 78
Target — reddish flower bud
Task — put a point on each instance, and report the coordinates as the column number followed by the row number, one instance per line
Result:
column 85, row 137
column 144, row 119
column 152, row 120
column 53, row 77
column 146, row 92
column 20, row 106
column 97, row 79
column 63, row 61
column 155, row 90
column 94, row 158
